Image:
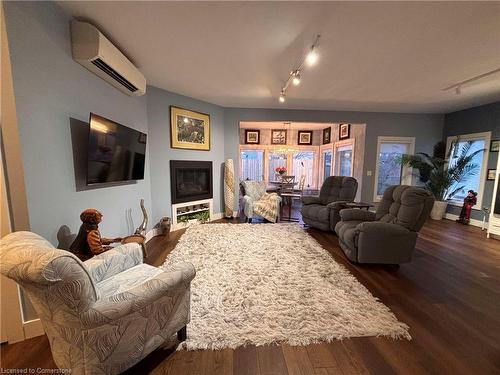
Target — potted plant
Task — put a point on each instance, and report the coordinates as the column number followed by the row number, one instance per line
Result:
column 445, row 172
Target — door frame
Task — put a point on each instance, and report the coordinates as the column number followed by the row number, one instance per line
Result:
column 336, row 145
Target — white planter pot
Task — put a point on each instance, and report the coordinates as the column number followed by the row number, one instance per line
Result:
column 438, row 210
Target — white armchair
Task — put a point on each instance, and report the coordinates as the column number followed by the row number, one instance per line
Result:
column 257, row 202
column 104, row 315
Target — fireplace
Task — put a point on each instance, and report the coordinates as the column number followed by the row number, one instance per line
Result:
column 190, row 180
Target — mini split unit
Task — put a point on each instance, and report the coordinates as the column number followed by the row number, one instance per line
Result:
column 95, row 52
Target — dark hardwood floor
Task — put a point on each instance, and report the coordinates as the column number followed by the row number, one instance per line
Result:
column 449, row 295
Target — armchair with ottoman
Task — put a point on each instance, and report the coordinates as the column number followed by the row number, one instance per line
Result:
column 323, row 212
column 389, row 235
column 103, row 315
column 256, row 202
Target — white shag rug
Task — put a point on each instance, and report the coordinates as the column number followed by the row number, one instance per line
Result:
column 273, row 283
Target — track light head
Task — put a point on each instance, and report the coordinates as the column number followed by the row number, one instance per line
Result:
column 282, row 97
column 296, row 78
column 312, row 57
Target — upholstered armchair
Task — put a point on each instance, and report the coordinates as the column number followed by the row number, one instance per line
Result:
column 259, row 203
column 323, row 212
column 104, row 315
column 389, row 235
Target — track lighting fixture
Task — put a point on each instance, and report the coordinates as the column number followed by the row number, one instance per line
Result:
column 457, row 87
column 295, row 75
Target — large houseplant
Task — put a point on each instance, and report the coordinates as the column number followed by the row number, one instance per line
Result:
column 445, row 172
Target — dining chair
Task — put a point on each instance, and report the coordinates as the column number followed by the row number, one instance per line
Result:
column 289, row 193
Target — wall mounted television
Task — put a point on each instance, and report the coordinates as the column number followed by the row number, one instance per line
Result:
column 115, row 153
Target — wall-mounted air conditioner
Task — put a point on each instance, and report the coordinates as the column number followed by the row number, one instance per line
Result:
column 96, row 53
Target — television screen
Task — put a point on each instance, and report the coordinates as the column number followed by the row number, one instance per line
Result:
column 115, row 152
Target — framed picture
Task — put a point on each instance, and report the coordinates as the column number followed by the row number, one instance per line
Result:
column 495, row 145
column 305, row 137
column 490, row 176
column 327, row 135
column 252, row 137
column 278, row 137
column 344, row 131
column 189, row 130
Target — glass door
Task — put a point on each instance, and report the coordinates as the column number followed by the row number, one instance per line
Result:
column 303, row 165
column 276, row 160
column 252, row 165
column 344, row 158
column 327, row 164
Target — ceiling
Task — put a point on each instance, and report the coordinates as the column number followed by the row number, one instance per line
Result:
column 382, row 57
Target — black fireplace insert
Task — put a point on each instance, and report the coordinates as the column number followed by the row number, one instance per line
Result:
column 190, row 180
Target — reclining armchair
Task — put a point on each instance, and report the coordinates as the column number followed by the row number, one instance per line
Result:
column 389, row 235
column 323, row 212
column 104, row 315
column 256, row 202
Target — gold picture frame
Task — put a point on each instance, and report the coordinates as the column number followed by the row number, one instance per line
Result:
column 189, row 129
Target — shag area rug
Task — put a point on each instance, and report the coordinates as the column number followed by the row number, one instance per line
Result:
column 273, row 283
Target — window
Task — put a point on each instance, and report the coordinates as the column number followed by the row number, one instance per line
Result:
column 252, row 165
column 327, row 164
column 480, row 141
column 275, row 161
column 389, row 170
column 344, row 158
column 303, row 164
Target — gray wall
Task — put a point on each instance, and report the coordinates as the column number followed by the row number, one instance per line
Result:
column 426, row 128
column 158, row 110
column 476, row 120
column 50, row 88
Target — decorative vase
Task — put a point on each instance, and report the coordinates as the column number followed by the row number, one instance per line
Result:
column 228, row 188
column 438, row 210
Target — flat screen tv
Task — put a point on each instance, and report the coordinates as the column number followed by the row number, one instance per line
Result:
column 115, row 152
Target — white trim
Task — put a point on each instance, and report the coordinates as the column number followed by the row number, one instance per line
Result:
column 494, row 227
column 336, row 145
column 486, row 136
column 406, row 177
column 152, row 233
column 473, row 222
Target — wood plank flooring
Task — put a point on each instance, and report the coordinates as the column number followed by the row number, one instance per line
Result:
column 449, row 296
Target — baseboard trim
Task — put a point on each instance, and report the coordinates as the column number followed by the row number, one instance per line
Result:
column 152, row 233
column 474, row 222
column 33, row 328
